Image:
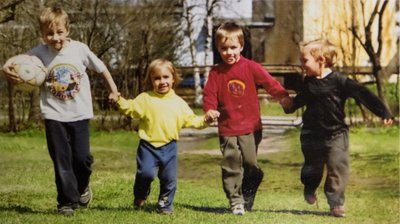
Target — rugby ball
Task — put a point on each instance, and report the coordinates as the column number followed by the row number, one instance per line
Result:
column 31, row 71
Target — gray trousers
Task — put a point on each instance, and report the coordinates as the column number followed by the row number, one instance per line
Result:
column 239, row 163
column 330, row 151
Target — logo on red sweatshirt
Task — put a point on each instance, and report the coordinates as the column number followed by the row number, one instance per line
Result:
column 236, row 88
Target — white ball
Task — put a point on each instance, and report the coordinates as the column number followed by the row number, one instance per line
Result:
column 31, row 70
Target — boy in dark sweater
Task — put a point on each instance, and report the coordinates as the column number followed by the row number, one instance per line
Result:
column 324, row 134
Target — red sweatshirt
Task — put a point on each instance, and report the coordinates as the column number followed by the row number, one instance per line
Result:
column 232, row 90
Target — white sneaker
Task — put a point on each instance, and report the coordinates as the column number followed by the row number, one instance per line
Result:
column 238, row 209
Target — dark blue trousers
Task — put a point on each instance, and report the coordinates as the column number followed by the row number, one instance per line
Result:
column 68, row 145
column 153, row 161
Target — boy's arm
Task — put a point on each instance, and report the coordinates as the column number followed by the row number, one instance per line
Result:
column 364, row 96
column 9, row 71
column 298, row 101
column 271, row 85
column 210, row 94
column 114, row 94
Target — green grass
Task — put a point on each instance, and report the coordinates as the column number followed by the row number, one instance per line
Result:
column 27, row 189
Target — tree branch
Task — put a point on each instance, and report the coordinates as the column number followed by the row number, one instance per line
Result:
column 380, row 13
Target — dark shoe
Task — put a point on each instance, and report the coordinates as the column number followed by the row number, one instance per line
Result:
column 86, row 197
column 249, row 188
column 65, row 210
column 165, row 212
column 310, row 198
column 139, row 203
column 338, row 211
column 249, row 202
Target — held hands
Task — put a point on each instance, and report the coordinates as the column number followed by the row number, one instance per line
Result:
column 113, row 98
column 211, row 116
column 286, row 102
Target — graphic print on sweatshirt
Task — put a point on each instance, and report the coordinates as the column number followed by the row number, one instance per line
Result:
column 64, row 81
column 236, row 88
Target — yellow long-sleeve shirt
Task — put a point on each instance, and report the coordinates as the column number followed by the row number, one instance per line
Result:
column 161, row 117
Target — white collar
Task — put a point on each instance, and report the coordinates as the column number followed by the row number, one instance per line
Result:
column 325, row 72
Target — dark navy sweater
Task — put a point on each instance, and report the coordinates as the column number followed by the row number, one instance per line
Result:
column 325, row 102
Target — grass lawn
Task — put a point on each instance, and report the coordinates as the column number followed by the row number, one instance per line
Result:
column 28, row 195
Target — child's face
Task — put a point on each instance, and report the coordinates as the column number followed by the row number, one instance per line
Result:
column 311, row 65
column 162, row 80
column 55, row 36
column 230, row 50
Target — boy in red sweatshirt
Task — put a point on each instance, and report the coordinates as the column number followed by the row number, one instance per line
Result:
column 231, row 90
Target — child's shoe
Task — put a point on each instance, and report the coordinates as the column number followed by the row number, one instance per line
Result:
column 139, row 203
column 67, row 210
column 248, row 202
column 249, row 188
column 86, row 197
column 338, row 211
column 310, row 198
column 165, row 212
column 238, row 209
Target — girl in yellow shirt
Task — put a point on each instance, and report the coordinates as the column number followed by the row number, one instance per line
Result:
column 161, row 114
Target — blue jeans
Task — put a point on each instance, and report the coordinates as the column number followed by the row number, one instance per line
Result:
column 161, row 161
column 68, row 145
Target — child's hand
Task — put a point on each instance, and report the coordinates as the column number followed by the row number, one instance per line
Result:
column 388, row 121
column 211, row 116
column 10, row 73
column 113, row 97
column 286, row 102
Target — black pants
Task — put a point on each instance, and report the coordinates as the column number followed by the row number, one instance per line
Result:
column 68, row 145
column 330, row 151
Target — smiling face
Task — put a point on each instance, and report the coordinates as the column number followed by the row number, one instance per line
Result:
column 312, row 66
column 162, row 79
column 229, row 50
column 54, row 27
column 55, row 36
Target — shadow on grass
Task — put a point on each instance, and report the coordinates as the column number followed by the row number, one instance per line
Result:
column 114, row 209
column 25, row 210
column 215, row 210
column 222, row 210
column 296, row 212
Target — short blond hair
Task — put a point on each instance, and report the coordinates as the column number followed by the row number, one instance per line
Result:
column 155, row 64
column 53, row 16
column 229, row 31
column 321, row 47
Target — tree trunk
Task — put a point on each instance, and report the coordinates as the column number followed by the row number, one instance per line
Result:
column 12, row 125
column 380, row 87
column 193, row 53
column 34, row 117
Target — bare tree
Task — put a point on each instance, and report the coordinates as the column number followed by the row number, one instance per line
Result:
column 18, row 34
column 189, row 18
column 364, row 36
column 210, row 6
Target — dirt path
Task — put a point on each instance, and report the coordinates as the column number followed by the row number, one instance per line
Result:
column 272, row 142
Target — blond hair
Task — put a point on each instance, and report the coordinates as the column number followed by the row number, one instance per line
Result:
column 321, row 48
column 53, row 16
column 229, row 31
column 156, row 64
